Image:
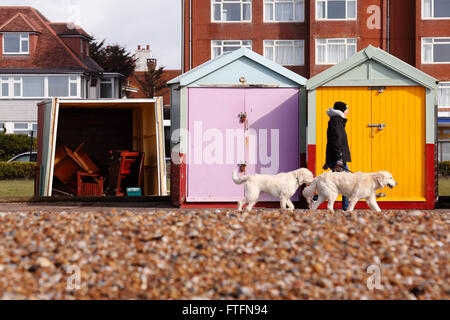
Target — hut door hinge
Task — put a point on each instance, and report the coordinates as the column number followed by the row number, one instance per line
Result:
column 243, row 116
column 379, row 89
column 242, row 166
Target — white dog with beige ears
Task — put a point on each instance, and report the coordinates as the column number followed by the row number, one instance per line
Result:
column 281, row 186
column 356, row 186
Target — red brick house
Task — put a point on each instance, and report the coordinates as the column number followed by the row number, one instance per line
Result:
column 40, row 59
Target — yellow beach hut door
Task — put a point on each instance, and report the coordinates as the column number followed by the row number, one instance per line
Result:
column 386, row 131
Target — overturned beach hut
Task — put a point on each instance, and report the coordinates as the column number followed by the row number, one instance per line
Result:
column 79, row 135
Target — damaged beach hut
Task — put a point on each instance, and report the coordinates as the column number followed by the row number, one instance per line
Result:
column 101, row 147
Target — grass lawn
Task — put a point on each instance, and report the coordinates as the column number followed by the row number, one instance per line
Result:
column 444, row 186
column 16, row 188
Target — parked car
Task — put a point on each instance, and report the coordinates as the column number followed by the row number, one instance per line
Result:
column 25, row 157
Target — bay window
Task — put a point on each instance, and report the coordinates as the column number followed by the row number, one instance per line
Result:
column 39, row 86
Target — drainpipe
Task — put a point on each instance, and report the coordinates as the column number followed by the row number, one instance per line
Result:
column 388, row 27
column 182, row 35
column 190, row 34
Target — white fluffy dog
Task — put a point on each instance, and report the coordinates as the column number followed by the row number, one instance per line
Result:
column 356, row 186
column 282, row 186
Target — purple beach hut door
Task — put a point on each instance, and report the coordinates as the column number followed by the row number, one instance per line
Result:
column 268, row 142
column 273, row 117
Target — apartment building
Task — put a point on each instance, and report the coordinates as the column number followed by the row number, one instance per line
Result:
column 309, row 36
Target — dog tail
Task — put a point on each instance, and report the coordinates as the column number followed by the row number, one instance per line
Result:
column 239, row 180
column 309, row 191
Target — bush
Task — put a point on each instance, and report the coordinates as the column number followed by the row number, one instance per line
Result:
column 444, row 168
column 14, row 144
column 17, row 170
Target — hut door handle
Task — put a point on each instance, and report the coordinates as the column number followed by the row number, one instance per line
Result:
column 380, row 126
column 377, row 125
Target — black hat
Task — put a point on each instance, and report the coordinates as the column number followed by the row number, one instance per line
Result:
column 340, row 106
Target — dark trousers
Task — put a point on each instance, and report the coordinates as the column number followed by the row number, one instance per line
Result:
column 346, row 169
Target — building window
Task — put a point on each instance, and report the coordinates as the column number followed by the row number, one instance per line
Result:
column 33, row 87
column 435, row 9
column 16, row 43
column 332, row 51
column 444, row 94
column 106, row 88
column 17, row 82
column 285, row 52
column 219, row 47
column 435, row 50
column 23, row 128
column 58, row 86
column 284, row 10
column 39, row 86
column 73, row 86
column 231, row 10
column 336, row 9
column 4, row 86
column 62, row 86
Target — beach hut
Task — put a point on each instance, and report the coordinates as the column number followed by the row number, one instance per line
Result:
column 391, row 125
column 84, row 132
column 239, row 111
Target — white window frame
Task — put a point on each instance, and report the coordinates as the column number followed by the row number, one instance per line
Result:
column 22, row 37
column 432, row 12
column 273, row 3
column 339, row 19
column 445, row 86
column 1, row 86
column 77, row 82
column 277, row 43
column 222, row 45
column 221, row 2
column 432, row 49
column 12, row 81
column 347, row 44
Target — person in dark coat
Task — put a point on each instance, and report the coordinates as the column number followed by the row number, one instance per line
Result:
column 338, row 152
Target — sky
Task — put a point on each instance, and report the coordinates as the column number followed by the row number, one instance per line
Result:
column 128, row 23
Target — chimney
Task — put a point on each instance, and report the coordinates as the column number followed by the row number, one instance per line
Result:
column 139, row 47
column 148, row 47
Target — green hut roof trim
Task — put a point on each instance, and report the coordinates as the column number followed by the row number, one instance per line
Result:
column 225, row 59
column 375, row 54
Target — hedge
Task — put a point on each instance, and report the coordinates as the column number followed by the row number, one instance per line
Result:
column 14, row 144
column 16, row 170
column 444, row 168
